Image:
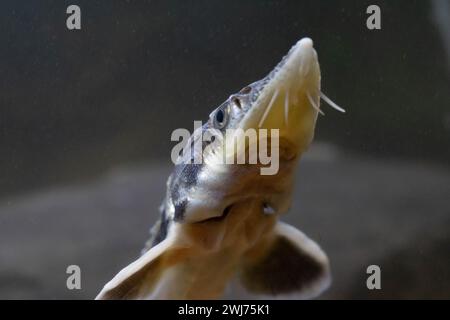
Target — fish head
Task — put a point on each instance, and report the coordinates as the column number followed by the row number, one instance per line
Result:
column 287, row 100
column 285, row 103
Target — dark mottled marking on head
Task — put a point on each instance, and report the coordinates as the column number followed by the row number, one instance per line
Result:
column 163, row 228
column 189, row 175
column 174, row 193
column 180, row 209
column 185, row 177
column 186, row 174
column 286, row 268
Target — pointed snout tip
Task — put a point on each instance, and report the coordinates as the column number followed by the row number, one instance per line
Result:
column 305, row 43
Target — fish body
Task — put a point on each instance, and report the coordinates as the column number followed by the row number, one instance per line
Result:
column 219, row 222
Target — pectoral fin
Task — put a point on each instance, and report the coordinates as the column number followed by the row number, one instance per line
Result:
column 139, row 279
column 286, row 263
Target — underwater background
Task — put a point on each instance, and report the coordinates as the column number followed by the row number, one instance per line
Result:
column 86, row 118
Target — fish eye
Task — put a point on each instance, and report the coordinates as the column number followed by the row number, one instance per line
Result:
column 221, row 117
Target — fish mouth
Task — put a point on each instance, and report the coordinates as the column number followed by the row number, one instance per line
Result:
column 289, row 98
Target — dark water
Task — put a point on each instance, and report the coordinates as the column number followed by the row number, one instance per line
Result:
column 77, row 105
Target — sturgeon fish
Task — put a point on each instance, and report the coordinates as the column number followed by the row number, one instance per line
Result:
column 219, row 223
